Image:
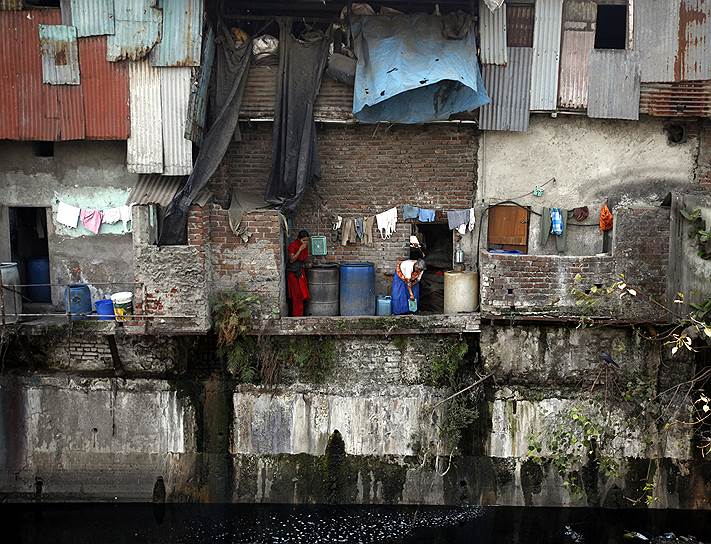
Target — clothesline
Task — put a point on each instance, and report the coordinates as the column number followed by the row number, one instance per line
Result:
column 91, row 218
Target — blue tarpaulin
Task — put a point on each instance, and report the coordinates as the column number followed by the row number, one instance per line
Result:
column 408, row 72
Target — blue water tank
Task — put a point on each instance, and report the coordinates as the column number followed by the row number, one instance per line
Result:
column 357, row 292
column 78, row 300
column 37, row 274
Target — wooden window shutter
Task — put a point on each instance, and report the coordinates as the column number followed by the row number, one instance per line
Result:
column 508, row 227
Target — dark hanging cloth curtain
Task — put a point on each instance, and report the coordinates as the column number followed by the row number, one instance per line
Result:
column 295, row 162
column 233, row 62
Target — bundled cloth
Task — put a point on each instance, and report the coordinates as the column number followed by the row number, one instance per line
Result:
column 461, row 220
column 605, row 219
column 387, row 221
column 556, row 222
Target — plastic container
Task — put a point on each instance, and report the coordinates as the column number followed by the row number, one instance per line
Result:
column 105, row 309
column 318, row 246
column 324, row 290
column 357, row 293
column 77, row 298
column 383, row 306
column 37, row 274
column 12, row 298
column 123, row 305
column 461, row 292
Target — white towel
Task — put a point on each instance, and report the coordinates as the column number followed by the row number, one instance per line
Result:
column 125, row 214
column 387, row 221
column 68, row 215
column 112, row 215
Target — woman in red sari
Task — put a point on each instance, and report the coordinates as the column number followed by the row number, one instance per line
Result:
column 297, row 286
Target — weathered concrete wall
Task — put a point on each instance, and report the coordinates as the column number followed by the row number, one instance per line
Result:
column 629, row 163
column 83, row 174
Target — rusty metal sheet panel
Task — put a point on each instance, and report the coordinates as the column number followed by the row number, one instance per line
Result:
column 614, row 91
column 9, row 5
column 137, row 25
column 92, row 17
column 60, row 54
column 181, row 38
column 492, row 30
column 155, row 189
column 175, row 93
column 509, row 87
column 145, row 144
column 656, row 37
column 546, row 55
column 519, row 25
column 9, row 72
column 574, row 56
column 105, row 89
column 693, row 58
column 579, row 15
column 679, row 99
column 197, row 107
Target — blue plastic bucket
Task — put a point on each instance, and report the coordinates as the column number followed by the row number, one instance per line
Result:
column 105, row 309
column 77, row 298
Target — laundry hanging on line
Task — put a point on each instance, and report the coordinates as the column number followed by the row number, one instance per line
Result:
column 387, row 222
column 461, row 220
column 92, row 219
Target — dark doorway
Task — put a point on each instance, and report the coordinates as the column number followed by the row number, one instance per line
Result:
column 30, row 250
column 611, row 27
column 438, row 248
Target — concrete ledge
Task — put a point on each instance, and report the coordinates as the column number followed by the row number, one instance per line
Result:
column 369, row 325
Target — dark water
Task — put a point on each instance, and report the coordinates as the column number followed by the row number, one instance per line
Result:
column 183, row 524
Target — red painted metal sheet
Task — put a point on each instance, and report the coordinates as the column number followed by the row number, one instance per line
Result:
column 682, row 99
column 105, row 90
column 9, row 107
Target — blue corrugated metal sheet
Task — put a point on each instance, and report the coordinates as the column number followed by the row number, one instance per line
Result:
column 181, row 37
column 92, row 17
column 546, row 54
column 492, row 31
column 137, row 26
column 509, row 88
column 197, row 107
column 60, row 54
column 614, row 91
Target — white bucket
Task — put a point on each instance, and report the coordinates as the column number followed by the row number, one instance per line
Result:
column 123, row 305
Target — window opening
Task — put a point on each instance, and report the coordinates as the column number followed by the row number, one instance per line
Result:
column 438, row 248
column 30, row 250
column 508, row 228
column 43, row 149
column 519, row 25
column 611, row 27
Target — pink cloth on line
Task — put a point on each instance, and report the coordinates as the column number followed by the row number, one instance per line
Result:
column 91, row 219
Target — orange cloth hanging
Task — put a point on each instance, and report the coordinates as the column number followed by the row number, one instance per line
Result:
column 605, row 219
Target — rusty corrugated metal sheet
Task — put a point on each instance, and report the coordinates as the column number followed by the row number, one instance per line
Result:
column 9, row 5
column 197, row 107
column 60, row 54
column 509, row 88
column 105, row 90
column 693, row 58
column 579, row 15
column 574, row 60
column 145, row 144
column 30, row 109
column 546, row 55
column 334, row 100
column 181, row 38
column 92, row 17
column 519, row 25
column 614, row 91
column 492, row 29
column 175, row 93
column 155, row 189
column 137, row 26
column 680, row 99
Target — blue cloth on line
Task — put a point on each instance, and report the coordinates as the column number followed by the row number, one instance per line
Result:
column 410, row 212
column 556, row 222
column 426, row 216
column 359, row 228
column 400, row 296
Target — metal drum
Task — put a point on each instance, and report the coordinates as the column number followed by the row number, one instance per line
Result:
column 323, row 290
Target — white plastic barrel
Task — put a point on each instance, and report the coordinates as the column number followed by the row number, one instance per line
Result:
column 461, row 292
column 11, row 293
column 123, row 305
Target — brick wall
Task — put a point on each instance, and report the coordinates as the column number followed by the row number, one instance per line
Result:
column 365, row 170
column 542, row 284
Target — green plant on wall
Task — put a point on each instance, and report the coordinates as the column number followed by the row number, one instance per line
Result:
column 232, row 312
column 698, row 232
column 313, row 356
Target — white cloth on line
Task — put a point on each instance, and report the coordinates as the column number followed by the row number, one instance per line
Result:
column 112, row 215
column 468, row 227
column 387, row 221
column 68, row 215
column 125, row 214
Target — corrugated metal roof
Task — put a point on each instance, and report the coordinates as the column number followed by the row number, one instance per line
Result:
column 145, row 144
column 509, row 88
column 137, row 26
column 9, row 5
column 30, row 109
column 519, row 25
column 197, row 107
column 175, row 93
column 155, row 189
column 492, row 29
column 693, row 59
column 92, row 17
column 60, row 54
column 546, row 54
column 682, row 99
column 574, row 58
column 181, row 38
column 334, row 100
column 105, row 89
column 614, row 91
